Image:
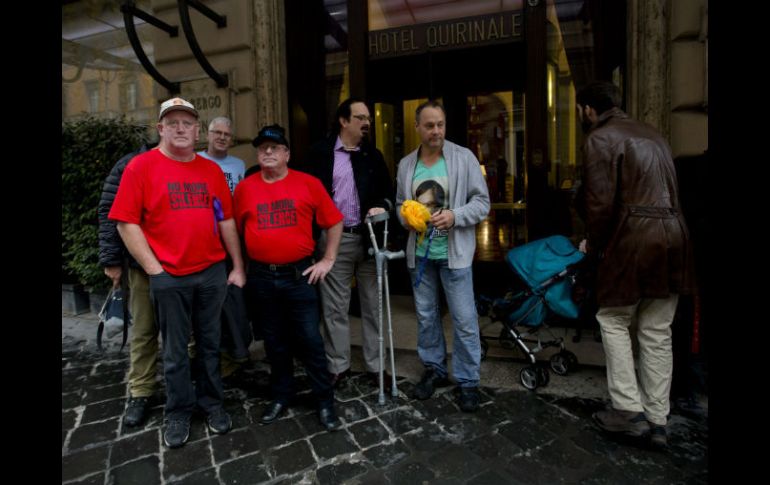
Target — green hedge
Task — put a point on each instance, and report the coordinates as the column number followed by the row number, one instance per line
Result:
column 90, row 148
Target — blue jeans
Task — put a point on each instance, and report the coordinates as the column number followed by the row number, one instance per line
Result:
column 431, row 346
column 287, row 308
column 189, row 302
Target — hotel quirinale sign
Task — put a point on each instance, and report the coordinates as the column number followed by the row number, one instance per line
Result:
column 459, row 33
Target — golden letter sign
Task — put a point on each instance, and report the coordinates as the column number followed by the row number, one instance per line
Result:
column 446, row 35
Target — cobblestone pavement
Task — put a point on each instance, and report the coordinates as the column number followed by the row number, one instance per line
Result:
column 517, row 436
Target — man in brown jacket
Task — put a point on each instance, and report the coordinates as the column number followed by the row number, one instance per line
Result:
column 638, row 235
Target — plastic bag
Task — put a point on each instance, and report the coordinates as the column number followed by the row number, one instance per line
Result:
column 111, row 317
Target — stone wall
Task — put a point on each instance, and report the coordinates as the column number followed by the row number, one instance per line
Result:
column 668, row 70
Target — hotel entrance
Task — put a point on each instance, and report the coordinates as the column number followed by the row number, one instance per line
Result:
column 506, row 72
column 483, row 92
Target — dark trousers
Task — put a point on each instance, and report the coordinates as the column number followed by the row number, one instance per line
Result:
column 287, row 309
column 183, row 303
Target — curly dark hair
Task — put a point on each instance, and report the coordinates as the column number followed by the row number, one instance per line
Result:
column 600, row 95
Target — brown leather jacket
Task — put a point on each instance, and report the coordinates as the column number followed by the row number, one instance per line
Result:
column 635, row 225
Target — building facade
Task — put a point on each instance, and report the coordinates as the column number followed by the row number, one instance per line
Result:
column 506, row 71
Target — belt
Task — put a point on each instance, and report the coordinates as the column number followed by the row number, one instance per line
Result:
column 354, row 229
column 280, row 268
column 652, row 212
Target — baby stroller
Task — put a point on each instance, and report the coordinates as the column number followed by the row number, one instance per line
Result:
column 547, row 266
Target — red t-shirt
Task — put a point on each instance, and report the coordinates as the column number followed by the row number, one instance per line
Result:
column 275, row 219
column 173, row 203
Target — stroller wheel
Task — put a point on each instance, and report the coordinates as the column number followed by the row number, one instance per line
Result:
column 484, row 348
column 572, row 358
column 560, row 364
column 529, row 377
column 543, row 376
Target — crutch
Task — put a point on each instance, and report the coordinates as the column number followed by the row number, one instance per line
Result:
column 381, row 258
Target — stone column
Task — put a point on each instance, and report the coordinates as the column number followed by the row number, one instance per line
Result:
column 648, row 97
column 272, row 105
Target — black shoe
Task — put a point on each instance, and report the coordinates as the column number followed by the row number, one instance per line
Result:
column 219, row 421
column 469, row 399
column 328, row 418
column 658, row 438
column 428, row 383
column 337, row 380
column 374, row 380
column 177, row 432
column 136, row 411
column 272, row 412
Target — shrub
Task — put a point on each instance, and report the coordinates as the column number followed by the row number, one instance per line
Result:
column 90, row 148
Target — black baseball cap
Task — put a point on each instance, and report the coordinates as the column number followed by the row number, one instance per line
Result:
column 274, row 133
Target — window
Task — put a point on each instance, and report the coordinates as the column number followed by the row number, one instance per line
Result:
column 93, row 95
column 128, row 96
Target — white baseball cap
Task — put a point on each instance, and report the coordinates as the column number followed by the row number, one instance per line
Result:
column 176, row 104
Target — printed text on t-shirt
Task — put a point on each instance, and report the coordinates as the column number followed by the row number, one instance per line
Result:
column 188, row 195
column 276, row 214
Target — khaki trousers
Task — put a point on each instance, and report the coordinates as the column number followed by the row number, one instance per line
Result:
column 335, row 300
column 650, row 392
column 144, row 336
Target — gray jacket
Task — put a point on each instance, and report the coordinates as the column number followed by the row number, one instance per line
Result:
column 469, row 200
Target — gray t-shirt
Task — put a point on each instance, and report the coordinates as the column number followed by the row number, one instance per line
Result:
column 233, row 168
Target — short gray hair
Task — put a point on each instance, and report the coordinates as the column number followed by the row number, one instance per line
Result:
column 220, row 119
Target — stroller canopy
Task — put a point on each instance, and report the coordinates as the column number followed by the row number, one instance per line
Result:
column 539, row 260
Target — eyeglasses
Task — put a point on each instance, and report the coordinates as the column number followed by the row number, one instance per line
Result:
column 218, row 133
column 273, row 148
column 186, row 124
column 364, row 118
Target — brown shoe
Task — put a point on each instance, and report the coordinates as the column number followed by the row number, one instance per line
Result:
column 340, row 379
column 629, row 423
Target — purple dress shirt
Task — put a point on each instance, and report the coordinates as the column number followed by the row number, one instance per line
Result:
column 344, row 185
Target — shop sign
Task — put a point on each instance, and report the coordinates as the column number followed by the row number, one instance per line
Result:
column 208, row 99
column 451, row 34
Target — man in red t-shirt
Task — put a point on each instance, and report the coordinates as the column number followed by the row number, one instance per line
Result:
column 174, row 213
column 274, row 211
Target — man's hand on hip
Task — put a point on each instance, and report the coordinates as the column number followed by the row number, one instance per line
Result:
column 319, row 270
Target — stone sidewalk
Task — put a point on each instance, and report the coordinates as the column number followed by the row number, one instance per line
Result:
column 517, row 436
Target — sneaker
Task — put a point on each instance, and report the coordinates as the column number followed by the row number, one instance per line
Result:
column 219, row 421
column 429, row 381
column 469, row 399
column 658, row 437
column 136, row 411
column 177, row 432
column 629, row 423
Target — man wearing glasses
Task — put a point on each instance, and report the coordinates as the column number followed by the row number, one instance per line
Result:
column 174, row 213
column 219, row 136
column 275, row 210
column 355, row 175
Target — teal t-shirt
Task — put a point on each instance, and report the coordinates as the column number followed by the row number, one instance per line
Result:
column 430, row 187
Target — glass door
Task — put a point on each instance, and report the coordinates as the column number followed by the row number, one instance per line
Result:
column 495, row 134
